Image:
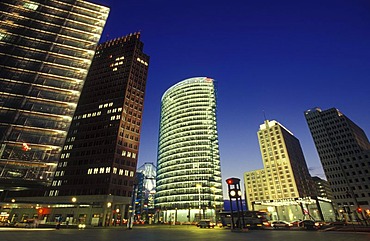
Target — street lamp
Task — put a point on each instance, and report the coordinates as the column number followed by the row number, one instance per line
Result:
column 213, row 189
column 199, row 186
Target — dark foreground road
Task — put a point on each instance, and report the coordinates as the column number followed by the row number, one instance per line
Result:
column 174, row 233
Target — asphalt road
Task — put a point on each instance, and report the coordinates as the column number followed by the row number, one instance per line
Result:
column 175, row 233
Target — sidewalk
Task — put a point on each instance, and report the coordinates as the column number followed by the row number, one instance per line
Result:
column 348, row 228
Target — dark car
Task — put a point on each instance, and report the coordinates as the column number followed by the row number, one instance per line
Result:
column 205, row 224
column 309, row 224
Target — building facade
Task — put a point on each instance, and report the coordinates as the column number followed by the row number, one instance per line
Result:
column 46, row 48
column 144, row 204
column 189, row 185
column 283, row 187
column 344, row 151
column 97, row 166
column 322, row 188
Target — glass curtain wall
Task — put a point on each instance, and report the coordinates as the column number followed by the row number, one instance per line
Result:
column 188, row 169
column 46, row 48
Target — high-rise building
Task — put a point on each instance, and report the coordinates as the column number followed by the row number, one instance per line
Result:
column 344, row 151
column 189, row 185
column 322, row 188
column 284, row 180
column 144, row 204
column 99, row 158
column 46, row 48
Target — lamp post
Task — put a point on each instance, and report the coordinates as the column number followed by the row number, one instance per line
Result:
column 108, row 214
column 199, row 186
column 131, row 214
column 213, row 189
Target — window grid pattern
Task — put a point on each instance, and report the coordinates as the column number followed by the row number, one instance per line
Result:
column 188, row 171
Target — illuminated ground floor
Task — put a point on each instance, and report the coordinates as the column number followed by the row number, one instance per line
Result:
column 297, row 209
column 180, row 216
column 105, row 210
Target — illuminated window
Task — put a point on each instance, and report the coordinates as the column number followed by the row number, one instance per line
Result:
column 31, row 6
column 3, row 36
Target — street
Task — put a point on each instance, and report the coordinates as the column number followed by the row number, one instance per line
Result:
column 175, row 233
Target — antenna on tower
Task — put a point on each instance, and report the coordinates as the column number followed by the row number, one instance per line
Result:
column 264, row 115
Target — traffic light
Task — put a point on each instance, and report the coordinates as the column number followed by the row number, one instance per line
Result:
column 359, row 210
column 233, row 181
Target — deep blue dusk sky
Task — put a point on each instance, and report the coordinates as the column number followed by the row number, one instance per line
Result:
column 277, row 57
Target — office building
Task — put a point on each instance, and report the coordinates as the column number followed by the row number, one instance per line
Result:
column 284, row 186
column 322, row 188
column 99, row 159
column 46, row 48
column 189, row 185
column 344, row 151
column 144, row 204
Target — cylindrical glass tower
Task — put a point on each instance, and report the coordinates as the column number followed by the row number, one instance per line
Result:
column 189, row 185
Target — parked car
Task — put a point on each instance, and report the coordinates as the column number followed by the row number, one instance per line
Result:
column 29, row 223
column 309, row 224
column 295, row 223
column 5, row 223
column 280, row 224
column 205, row 224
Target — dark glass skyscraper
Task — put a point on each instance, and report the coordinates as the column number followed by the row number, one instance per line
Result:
column 344, row 151
column 99, row 158
column 46, row 47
